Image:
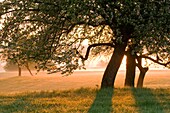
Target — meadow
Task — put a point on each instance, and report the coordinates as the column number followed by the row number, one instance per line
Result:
column 86, row 100
column 80, row 93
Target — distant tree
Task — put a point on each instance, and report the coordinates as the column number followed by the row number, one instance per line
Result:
column 14, row 66
column 52, row 31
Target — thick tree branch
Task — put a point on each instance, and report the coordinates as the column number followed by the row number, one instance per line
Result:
column 155, row 61
column 91, row 46
column 149, row 58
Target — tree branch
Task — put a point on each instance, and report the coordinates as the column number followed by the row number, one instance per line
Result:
column 155, row 61
column 139, row 65
column 93, row 45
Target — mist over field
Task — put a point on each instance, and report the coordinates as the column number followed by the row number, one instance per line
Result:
column 11, row 83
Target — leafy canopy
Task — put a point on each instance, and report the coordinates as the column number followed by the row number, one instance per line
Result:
column 51, row 32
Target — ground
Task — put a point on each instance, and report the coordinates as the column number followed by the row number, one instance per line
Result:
column 54, row 93
column 11, row 83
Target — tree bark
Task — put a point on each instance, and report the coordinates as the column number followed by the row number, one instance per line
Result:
column 142, row 74
column 113, row 66
column 141, row 77
column 130, row 69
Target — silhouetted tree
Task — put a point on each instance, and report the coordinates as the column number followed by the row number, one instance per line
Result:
column 45, row 31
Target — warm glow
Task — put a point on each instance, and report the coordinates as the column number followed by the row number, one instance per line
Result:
column 101, row 63
column 85, row 43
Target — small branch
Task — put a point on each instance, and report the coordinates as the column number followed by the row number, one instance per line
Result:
column 158, row 58
column 94, row 45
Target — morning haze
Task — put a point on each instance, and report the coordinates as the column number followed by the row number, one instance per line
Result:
column 46, row 45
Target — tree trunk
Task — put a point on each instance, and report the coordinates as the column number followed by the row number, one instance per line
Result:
column 142, row 73
column 19, row 68
column 27, row 66
column 113, row 66
column 130, row 69
column 19, row 71
column 141, row 77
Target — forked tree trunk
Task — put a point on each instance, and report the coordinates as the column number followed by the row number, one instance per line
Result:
column 142, row 74
column 141, row 77
column 130, row 69
column 113, row 66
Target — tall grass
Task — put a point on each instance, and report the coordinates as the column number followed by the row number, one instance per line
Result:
column 86, row 100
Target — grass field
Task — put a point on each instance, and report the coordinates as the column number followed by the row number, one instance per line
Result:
column 80, row 93
column 87, row 100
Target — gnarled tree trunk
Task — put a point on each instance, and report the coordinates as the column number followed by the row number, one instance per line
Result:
column 142, row 74
column 116, row 59
column 113, row 66
column 141, row 77
column 130, row 69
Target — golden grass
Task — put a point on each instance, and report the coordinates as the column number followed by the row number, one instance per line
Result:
column 86, row 100
column 45, row 93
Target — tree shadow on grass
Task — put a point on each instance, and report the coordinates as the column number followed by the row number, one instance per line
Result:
column 102, row 102
column 26, row 102
column 146, row 101
column 163, row 95
column 17, row 104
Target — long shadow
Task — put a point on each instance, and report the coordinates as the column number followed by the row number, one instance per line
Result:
column 24, row 103
column 18, row 104
column 102, row 102
column 146, row 101
column 163, row 95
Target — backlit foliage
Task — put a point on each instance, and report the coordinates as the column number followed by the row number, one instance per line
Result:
column 51, row 32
